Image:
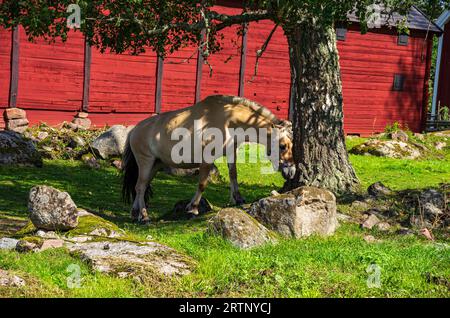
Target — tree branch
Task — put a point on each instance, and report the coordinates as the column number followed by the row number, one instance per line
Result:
column 261, row 51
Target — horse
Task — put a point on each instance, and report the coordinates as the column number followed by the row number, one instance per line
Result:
column 151, row 146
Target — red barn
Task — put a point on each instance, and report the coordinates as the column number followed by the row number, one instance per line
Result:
column 384, row 76
column 441, row 93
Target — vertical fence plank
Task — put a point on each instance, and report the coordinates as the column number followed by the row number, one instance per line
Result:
column 87, row 75
column 14, row 80
column 159, row 78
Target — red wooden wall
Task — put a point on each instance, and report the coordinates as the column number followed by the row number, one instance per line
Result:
column 368, row 65
column 123, row 87
column 443, row 97
column 5, row 69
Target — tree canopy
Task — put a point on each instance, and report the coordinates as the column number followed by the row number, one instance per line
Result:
column 167, row 25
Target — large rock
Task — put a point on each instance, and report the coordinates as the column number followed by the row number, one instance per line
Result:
column 130, row 259
column 300, row 212
column 51, row 209
column 112, row 142
column 14, row 149
column 239, row 228
column 387, row 148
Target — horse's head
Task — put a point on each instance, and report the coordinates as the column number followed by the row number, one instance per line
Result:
column 286, row 160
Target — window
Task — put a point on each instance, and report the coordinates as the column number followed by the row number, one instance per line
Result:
column 341, row 34
column 403, row 39
column 399, row 81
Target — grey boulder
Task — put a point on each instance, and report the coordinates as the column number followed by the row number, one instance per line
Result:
column 301, row 212
column 112, row 142
column 51, row 209
column 14, row 149
column 239, row 228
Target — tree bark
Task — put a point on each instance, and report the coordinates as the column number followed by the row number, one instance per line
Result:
column 316, row 95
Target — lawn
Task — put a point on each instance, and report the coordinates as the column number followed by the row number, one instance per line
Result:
column 337, row 266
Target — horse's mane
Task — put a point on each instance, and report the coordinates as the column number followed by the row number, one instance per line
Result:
column 254, row 106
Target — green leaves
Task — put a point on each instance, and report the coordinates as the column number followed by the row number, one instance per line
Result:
column 167, row 25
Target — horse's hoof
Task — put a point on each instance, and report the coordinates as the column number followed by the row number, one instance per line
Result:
column 192, row 215
column 238, row 200
column 144, row 222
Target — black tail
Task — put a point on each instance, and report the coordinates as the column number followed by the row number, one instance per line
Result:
column 130, row 173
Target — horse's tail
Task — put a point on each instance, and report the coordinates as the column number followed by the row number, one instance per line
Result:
column 130, row 173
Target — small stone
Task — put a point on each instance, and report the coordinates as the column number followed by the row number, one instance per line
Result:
column 378, row 189
column 47, row 234
column 14, row 113
column 42, row 135
column 359, row 205
column 399, row 135
column 84, row 123
column 370, row 239
column 12, row 124
column 47, row 148
column 7, row 243
column 82, row 115
column 51, row 243
column 70, row 126
column 440, row 145
column 77, row 141
column 405, row 231
column 117, row 164
column 24, row 246
column 274, row 193
column 90, row 161
column 8, row 279
column 419, row 136
column 344, row 218
column 239, row 228
column 370, row 222
column 427, row 233
column 383, row 226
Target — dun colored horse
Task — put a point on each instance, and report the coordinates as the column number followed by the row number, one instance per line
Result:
column 151, row 146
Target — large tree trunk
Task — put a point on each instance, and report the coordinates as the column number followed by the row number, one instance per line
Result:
column 316, row 97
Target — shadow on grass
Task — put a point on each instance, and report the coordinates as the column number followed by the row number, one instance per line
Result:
column 100, row 190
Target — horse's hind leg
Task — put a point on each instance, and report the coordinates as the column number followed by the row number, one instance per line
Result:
column 192, row 207
column 235, row 195
column 146, row 164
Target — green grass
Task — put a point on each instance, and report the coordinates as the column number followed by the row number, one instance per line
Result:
column 311, row 267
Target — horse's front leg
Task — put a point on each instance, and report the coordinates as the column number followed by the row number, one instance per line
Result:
column 235, row 195
column 192, row 207
column 147, row 171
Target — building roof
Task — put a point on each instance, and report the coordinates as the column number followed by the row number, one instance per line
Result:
column 417, row 20
column 443, row 19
